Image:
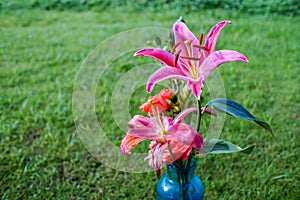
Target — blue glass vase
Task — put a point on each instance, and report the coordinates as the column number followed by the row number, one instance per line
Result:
column 180, row 184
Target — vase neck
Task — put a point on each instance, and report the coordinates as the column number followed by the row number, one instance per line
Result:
column 182, row 175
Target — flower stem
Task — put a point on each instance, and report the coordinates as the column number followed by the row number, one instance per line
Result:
column 199, row 115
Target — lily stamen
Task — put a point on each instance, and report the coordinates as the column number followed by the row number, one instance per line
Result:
column 187, row 46
column 189, row 42
column 190, row 58
column 174, row 47
column 176, row 57
column 200, row 38
column 201, row 47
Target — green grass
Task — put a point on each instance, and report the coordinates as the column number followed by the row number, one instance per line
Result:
column 41, row 155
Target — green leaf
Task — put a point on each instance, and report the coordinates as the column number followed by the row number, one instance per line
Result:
column 234, row 109
column 215, row 146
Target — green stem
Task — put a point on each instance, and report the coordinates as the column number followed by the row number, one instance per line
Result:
column 199, row 115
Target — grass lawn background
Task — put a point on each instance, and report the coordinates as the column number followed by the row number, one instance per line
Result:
column 42, row 157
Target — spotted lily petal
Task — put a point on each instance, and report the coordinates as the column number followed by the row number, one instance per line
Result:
column 212, row 36
column 158, row 54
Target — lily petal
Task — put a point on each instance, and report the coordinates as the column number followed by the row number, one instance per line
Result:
column 182, row 133
column 198, row 143
column 179, row 151
column 164, row 73
column 183, row 34
column 161, row 55
column 208, row 111
column 139, row 121
column 217, row 58
column 212, row 36
column 196, row 87
column 144, row 133
column 155, row 155
column 128, row 143
column 178, row 119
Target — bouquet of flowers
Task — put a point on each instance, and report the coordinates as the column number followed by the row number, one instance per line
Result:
column 174, row 142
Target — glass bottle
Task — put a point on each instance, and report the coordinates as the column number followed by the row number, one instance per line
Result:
column 180, row 184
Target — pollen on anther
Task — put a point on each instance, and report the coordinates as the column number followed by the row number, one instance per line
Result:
column 176, row 57
column 189, row 42
column 200, row 38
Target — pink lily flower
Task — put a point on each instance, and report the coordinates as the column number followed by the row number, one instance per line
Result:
column 171, row 139
column 192, row 61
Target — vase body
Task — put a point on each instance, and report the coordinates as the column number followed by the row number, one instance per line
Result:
column 180, row 184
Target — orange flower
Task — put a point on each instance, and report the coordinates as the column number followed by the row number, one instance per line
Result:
column 159, row 102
